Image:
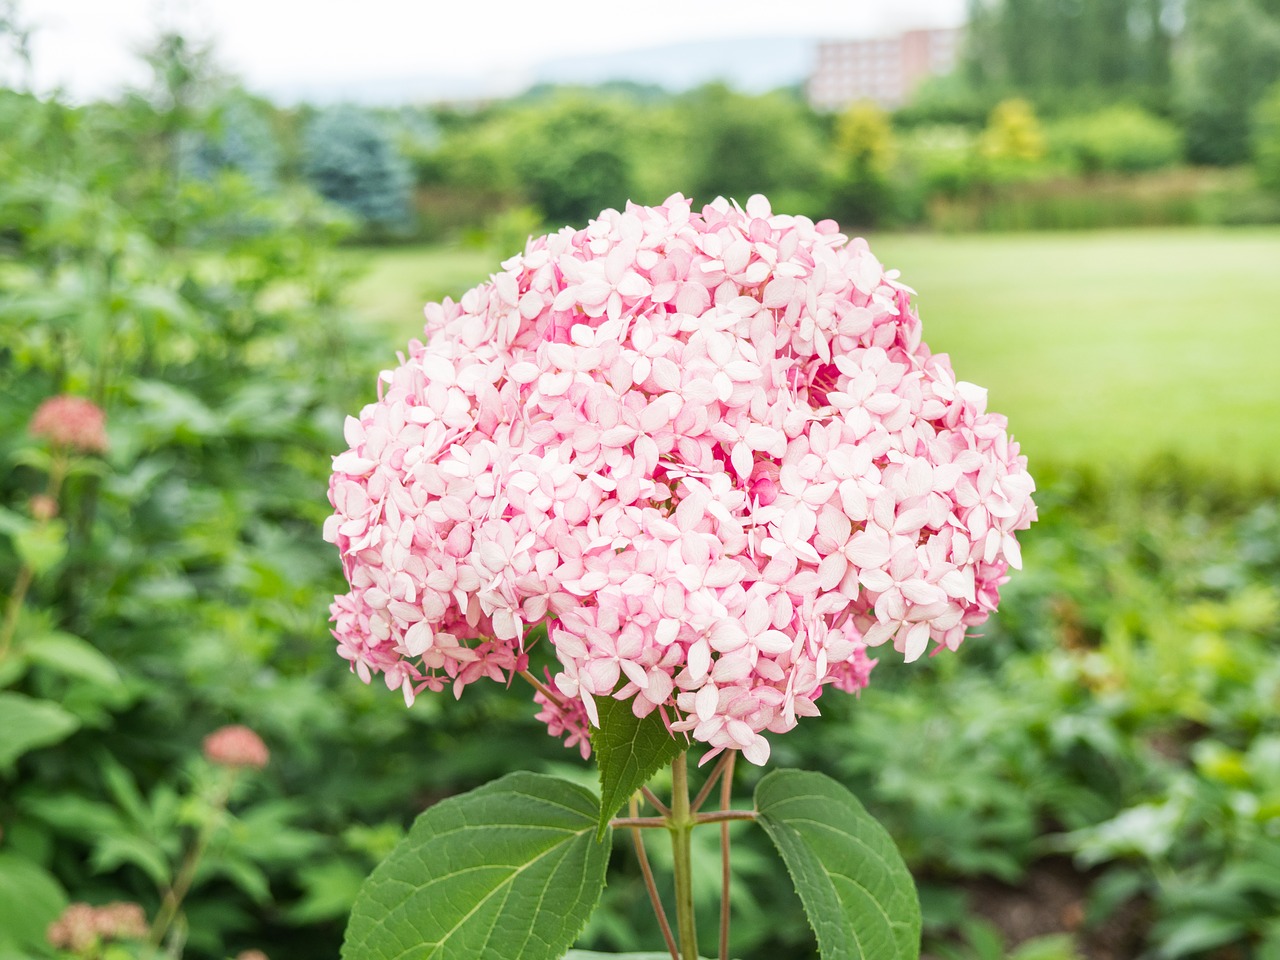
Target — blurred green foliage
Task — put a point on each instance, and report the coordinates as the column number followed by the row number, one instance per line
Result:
column 1117, row 139
column 1116, row 726
column 1266, row 140
column 351, row 159
column 865, row 152
column 1231, row 55
column 183, row 583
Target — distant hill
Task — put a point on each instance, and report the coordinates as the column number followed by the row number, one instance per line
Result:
column 750, row 64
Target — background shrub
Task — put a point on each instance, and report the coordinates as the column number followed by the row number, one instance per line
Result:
column 1118, row 139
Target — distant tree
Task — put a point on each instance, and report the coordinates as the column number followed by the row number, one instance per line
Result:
column 15, row 45
column 1231, row 56
column 1073, row 51
column 235, row 136
column 156, row 121
column 350, row 158
column 948, row 99
column 864, row 154
column 572, row 156
column 737, row 144
column 1266, row 139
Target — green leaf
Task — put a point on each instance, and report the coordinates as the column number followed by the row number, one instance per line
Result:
column 1196, row 933
column 42, row 546
column 12, row 524
column 30, row 899
column 508, row 870
column 70, row 655
column 329, row 887
column 629, row 751
column 29, row 723
column 857, row 892
column 113, row 851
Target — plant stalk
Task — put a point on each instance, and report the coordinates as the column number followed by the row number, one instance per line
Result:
column 726, row 796
column 652, row 887
column 19, row 594
column 171, row 902
column 681, row 826
column 22, row 583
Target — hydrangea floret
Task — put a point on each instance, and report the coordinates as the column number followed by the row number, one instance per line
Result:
column 708, row 450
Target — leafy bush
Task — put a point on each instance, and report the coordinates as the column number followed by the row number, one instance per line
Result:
column 1013, row 141
column 1119, row 139
column 1163, row 198
column 941, row 159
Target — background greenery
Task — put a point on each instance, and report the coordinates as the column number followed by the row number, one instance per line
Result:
column 1097, row 775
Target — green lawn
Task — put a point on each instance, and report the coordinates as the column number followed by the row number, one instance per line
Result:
column 1111, row 347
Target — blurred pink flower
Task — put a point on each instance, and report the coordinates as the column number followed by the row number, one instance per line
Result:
column 709, row 450
column 81, row 926
column 72, row 422
column 236, row 746
column 43, row 507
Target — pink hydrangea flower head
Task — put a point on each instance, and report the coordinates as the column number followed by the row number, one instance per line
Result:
column 709, row 450
column 72, row 422
column 236, row 746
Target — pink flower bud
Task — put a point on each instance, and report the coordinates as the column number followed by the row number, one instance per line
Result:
column 72, row 422
column 43, row 507
column 236, row 746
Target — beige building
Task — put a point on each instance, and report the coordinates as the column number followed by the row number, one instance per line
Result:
column 886, row 70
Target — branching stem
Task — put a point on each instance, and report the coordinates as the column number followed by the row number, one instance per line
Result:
column 541, row 687
column 657, row 804
column 726, row 795
column 680, row 823
column 652, row 887
column 181, row 886
column 707, row 787
column 22, row 583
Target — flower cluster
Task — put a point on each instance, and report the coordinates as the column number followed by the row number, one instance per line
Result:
column 72, row 422
column 236, row 746
column 709, row 451
column 82, row 926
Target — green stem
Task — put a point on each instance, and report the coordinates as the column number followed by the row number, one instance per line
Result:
column 652, row 887
column 16, row 598
column 726, row 796
column 681, row 826
column 181, row 886
column 22, row 583
column 715, row 774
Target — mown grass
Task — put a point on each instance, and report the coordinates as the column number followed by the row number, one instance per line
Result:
column 1108, row 348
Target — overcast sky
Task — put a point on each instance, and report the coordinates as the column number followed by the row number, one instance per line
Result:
column 86, row 46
